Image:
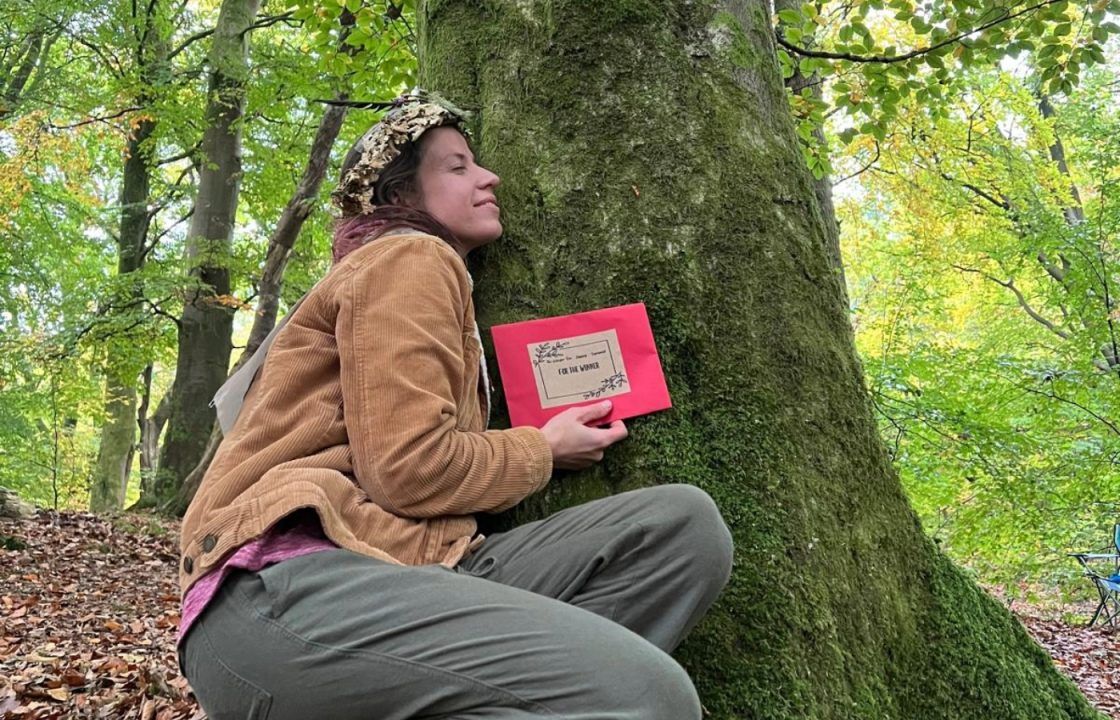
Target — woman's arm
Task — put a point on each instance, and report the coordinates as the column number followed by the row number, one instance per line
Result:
column 400, row 338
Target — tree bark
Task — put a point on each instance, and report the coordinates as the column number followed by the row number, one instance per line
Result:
column 280, row 245
column 151, row 426
column 206, row 325
column 648, row 154
column 12, row 506
column 118, row 434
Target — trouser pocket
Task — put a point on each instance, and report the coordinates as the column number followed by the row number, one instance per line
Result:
column 223, row 694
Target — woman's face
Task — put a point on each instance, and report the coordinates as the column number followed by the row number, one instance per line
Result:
column 455, row 190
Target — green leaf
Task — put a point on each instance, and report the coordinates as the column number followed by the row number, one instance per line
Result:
column 790, row 17
column 1062, row 29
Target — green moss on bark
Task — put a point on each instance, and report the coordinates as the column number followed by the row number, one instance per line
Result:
column 647, row 154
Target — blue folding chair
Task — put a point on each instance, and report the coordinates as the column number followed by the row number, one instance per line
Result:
column 1103, row 568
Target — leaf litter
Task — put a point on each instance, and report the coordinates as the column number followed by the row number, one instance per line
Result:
column 89, row 608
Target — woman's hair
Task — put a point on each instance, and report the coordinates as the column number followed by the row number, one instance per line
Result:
column 397, row 181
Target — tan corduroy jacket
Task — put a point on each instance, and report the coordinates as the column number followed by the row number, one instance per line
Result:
column 368, row 410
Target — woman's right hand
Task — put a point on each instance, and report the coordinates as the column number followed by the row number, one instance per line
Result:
column 576, row 446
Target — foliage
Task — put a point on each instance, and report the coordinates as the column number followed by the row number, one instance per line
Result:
column 63, row 134
column 875, row 55
column 994, row 379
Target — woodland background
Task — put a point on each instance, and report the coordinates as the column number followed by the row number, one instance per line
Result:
column 970, row 148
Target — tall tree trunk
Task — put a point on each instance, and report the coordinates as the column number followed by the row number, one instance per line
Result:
column 280, row 245
column 648, row 154
column 118, row 434
column 206, row 325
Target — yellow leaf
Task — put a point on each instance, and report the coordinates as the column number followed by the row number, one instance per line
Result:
column 62, row 694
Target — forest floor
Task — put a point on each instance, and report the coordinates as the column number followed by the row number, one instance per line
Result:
column 89, row 608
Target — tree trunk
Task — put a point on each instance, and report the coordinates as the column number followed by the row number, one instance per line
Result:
column 12, row 506
column 280, row 245
column 206, row 325
column 151, row 426
column 116, row 448
column 648, row 154
column 118, row 435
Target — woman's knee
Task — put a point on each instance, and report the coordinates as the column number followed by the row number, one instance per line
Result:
column 648, row 685
column 669, row 692
column 696, row 525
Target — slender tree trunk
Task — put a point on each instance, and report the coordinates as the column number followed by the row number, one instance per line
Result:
column 115, row 451
column 150, row 429
column 1074, row 213
column 280, row 245
column 206, row 324
column 647, row 154
column 118, row 434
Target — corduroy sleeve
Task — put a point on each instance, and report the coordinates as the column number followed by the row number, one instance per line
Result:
column 400, row 340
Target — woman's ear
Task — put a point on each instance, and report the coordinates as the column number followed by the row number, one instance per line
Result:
column 405, row 198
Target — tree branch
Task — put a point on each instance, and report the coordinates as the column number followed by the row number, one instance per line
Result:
column 270, row 20
column 189, row 41
column 889, row 59
column 1010, row 285
column 90, row 121
column 863, row 169
column 1055, row 396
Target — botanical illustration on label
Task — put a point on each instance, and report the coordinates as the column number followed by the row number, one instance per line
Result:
column 583, row 367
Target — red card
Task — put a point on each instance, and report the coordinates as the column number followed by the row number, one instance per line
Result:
column 554, row 363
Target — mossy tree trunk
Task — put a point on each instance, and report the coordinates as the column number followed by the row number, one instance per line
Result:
column 648, row 154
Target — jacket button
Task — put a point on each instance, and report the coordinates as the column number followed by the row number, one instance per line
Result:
column 208, row 543
column 188, row 565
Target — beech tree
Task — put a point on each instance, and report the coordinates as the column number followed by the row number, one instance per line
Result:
column 648, row 153
column 206, row 324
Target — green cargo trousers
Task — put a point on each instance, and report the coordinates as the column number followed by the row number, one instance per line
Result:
column 568, row 617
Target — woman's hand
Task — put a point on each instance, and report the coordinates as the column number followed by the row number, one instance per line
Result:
column 576, row 446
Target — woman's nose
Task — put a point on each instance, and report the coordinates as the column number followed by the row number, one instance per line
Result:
column 490, row 179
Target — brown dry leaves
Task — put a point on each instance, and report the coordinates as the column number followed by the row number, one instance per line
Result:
column 89, row 609
column 1089, row 656
column 88, row 612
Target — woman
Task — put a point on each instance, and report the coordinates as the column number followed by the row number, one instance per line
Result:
column 331, row 565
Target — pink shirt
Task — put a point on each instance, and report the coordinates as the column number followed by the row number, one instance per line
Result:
column 283, row 542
